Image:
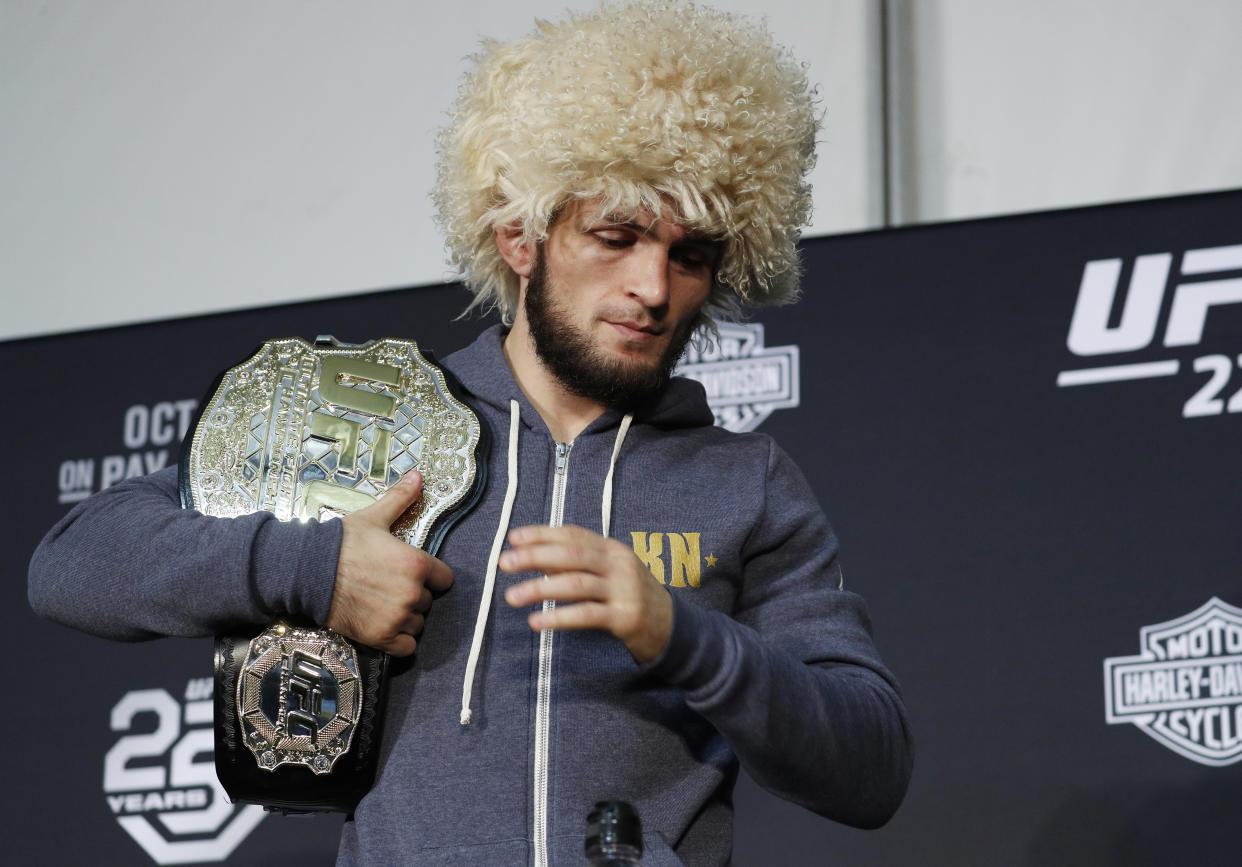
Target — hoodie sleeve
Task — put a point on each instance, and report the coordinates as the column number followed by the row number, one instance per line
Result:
column 130, row 564
column 793, row 680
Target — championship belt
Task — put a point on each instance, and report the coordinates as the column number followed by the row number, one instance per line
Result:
column 312, row 432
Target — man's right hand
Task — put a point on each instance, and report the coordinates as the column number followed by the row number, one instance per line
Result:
column 384, row 585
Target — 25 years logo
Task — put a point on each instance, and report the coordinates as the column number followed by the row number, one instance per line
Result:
column 161, row 784
column 1099, row 329
column 1185, row 686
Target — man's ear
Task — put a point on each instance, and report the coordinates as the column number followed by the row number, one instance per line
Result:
column 515, row 248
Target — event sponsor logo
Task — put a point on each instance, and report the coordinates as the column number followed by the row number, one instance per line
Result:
column 1185, row 687
column 147, row 432
column 1099, row 328
column 745, row 381
column 161, row 784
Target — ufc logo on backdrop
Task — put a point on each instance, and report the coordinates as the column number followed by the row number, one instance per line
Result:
column 1099, row 328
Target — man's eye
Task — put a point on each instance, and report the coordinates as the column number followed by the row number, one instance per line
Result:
column 692, row 258
column 614, row 241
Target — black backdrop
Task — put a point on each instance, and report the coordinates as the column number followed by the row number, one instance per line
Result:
column 1011, row 535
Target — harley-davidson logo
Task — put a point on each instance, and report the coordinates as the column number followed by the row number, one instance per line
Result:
column 1185, row 687
column 745, row 381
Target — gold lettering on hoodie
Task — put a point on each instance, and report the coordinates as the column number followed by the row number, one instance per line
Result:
column 649, row 552
column 684, row 567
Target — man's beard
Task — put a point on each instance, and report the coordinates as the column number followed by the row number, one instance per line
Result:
column 578, row 366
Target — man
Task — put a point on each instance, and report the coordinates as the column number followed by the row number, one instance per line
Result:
column 609, row 184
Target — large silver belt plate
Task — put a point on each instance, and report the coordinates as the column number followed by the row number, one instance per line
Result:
column 311, row 432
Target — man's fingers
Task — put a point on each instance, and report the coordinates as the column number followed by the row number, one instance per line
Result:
column 439, row 577
column 556, row 552
column 534, row 534
column 551, row 559
column 399, row 642
column 413, row 624
column 581, row 615
column 601, row 583
column 566, row 587
column 402, row 644
column 423, row 605
column 393, row 504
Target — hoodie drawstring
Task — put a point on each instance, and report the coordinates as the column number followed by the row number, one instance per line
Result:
column 605, row 508
column 489, row 584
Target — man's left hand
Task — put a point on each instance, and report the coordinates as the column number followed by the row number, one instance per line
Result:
column 609, row 587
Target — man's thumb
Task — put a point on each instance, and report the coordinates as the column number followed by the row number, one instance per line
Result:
column 393, row 504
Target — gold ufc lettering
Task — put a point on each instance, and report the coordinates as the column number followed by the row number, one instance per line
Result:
column 320, row 495
column 342, row 431
column 337, row 368
column 346, row 433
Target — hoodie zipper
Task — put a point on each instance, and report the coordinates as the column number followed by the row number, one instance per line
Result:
column 543, row 692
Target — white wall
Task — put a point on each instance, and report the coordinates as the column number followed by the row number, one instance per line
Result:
column 1021, row 106
column 165, row 157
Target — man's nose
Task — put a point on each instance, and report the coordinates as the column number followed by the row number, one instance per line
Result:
column 650, row 282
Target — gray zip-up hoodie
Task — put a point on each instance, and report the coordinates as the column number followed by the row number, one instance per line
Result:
column 769, row 661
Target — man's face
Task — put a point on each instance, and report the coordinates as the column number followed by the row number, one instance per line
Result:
column 612, row 300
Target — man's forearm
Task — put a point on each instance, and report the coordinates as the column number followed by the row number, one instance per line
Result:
column 131, row 564
column 831, row 736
